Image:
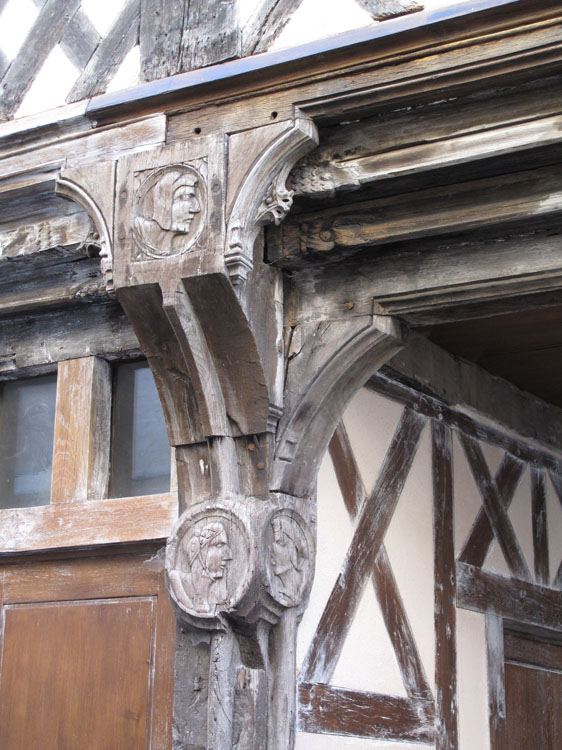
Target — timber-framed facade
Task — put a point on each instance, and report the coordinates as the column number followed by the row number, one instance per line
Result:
column 274, row 235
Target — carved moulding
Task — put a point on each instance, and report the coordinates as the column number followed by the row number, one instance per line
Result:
column 234, row 564
column 263, row 196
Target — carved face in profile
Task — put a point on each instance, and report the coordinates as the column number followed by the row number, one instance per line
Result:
column 218, row 555
column 185, row 205
column 169, row 211
column 288, row 559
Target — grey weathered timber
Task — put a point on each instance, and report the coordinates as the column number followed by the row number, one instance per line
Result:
column 44, row 34
column 4, row 63
column 496, row 680
column 211, row 34
column 161, row 29
column 80, row 38
column 109, row 54
column 32, row 238
column 382, row 9
column 540, row 527
column 446, row 708
column 266, row 23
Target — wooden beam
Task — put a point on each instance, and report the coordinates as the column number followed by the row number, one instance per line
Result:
column 481, row 534
column 161, row 29
column 383, row 9
column 79, row 39
column 266, row 23
column 334, row 710
column 87, row 524
column 370, row 529
column 82, row 431
column 496, row 681
column 211, row 34
column 454, row 208
column 540, row 527
column 384, row 583
column 47, row 31
column 109, row 55
column 556, row 479
column 520, row 601
column 34, row 237
column 495, row 509
column 446, row 708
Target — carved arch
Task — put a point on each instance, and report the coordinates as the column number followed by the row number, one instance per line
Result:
column 263, row 196
column 323, row 373
column 69, row 188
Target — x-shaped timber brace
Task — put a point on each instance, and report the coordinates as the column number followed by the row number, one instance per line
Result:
column 250, row 401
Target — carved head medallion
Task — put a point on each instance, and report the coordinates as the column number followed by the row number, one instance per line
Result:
column 169, row 210
column 290, row 559
column 207, row 562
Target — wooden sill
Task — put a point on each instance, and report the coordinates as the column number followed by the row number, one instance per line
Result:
column 87, row 524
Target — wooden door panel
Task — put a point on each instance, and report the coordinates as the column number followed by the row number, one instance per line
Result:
column 87, row 655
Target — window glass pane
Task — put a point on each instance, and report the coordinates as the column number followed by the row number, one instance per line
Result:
column 27, row 422
column 140, row 455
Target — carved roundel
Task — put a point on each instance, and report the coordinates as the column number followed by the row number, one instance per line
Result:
column 290, row 555
column 208, row 562
column 169, row 211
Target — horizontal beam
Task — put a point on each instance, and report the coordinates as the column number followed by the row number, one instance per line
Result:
column 87, row 524
column 334, row 710
column 489, row 593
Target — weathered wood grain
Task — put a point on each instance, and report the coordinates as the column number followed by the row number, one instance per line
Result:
column 87, row 524
column 436, row 408
column 82, row 431
column 556, row 479
column 109, row 54
column 496, row 681
column 4, row 63
column 446, row 706
column 520, row 601
column 161, row 29
column 382, row 9
column 80, row 330
column 266, row 23
column 481, row 534
column 384, row 583
column 334, row 710
column 211, row 34
column 36, row 237
column 371, row 527
column 495, row 509
column 79, row 39
column 540, row 527
column 42, row 37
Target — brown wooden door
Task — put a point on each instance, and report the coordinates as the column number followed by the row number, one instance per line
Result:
column 533, row 693
column 87, row 655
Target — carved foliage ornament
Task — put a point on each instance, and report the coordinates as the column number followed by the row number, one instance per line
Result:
column 169, row 209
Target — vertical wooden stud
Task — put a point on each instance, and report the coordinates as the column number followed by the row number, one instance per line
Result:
column 496, row 681
column 446, row 732
column 82, row 430
column 540, row 531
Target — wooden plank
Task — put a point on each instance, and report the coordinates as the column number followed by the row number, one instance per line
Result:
column 446, row 730
column 161, row 30
column 383, row 9
column 87, row 524
column 42, row 37
column 522, row 648
column 384, row 583
column 334, row 710
column 63, row 231
column 80, row 330
column 82, row 431
column 495, row 509
column 371, row 527
column 434, row 407
column 265, row 24
column 79, row 39
column 540, row 528
column 109, row 55
column 496, row 681
column 520, row 601
column 211, row 34
column 556, row 479
column 481, row 534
